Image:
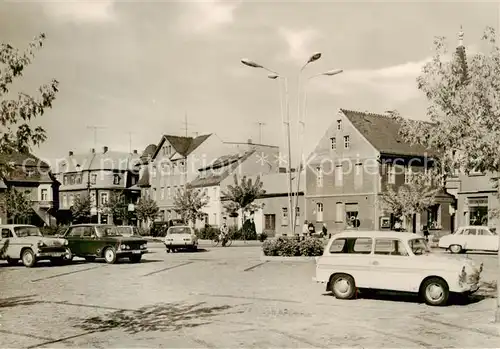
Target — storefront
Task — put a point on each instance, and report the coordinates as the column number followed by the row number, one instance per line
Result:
column 477, row 211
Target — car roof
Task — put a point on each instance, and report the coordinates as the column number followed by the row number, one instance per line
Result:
column 375, row 233
column 90, row 225
column 16, row 225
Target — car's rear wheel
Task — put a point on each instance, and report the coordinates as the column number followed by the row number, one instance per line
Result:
column 12, row 261
column 28, row 258
column 136, row 258
column 435, row 291
column 110, row 255
column 343, row 286
column 455, row 249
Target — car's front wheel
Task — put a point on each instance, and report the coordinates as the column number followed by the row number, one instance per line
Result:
column 28, row 257
column 136, row 258
column 110, row 255
column 343, row 286
column 455, row 249
column 435, row 291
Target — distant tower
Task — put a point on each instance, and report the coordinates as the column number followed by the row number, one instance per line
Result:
column 462, row 58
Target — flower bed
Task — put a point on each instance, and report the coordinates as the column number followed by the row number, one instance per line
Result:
column 293, row 247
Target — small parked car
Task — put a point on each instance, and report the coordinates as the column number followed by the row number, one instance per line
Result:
column 470, row 238
column 393, row 261
column 128, row 230
column 181, row 237
column 26, row 243
column 92, row 241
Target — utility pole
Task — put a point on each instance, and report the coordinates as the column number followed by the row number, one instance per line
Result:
column 95, row 128
column 261, row 124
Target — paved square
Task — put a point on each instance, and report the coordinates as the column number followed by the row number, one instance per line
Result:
column 220, row 297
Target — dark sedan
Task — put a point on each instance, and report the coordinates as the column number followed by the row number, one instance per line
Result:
column 92, row 241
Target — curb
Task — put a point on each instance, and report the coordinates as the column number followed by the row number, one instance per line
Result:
column 301, row 259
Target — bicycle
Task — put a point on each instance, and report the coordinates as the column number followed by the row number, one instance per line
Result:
column 216, row 240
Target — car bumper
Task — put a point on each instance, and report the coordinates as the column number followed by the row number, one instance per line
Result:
column 314, row 279
column 58, row 254
column 131, row 252
column 171, row 244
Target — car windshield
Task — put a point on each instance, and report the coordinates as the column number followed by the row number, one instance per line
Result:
column 419, row 246
column 27, row 231
column 108, row 230
column 179, row 230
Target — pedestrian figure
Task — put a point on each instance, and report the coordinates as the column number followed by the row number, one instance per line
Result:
column 224, row 231
column 305, row 230
column 397, row 225
column 311, row 229
column 324, row 230
column 425, row 230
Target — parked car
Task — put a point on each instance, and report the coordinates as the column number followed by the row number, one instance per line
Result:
column 92, row 241
column 181, row 237
column 26, row 243
column 394, row 261
column 470, row 238
column 128, row 231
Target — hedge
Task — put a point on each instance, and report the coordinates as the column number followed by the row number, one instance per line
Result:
column 247, row 233
column 293, row 247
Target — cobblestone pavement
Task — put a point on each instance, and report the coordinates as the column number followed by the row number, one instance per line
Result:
column 220, row 297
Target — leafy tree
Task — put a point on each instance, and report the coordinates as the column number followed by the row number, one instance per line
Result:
column 189, row 202
column 16, row 133
column 117, row 206
column 410, row 199
column 242, row 196
column 80, row 209
column 464, row 108
column 146, row 209
column 18, row 205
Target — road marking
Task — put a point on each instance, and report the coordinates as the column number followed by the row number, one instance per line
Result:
column 87, row 305
column 64, row 274
column 26, row 335
column 168, row 268
column 255, row 266
column 60, row 340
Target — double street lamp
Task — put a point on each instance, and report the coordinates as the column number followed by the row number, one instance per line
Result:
column 273, row 75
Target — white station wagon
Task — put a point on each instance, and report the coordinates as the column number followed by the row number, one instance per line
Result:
column 393, row 261
column 470, row 238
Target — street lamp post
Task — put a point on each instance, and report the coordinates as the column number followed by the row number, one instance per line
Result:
column 301, row 122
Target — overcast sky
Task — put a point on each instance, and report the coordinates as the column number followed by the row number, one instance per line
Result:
column 140, row 66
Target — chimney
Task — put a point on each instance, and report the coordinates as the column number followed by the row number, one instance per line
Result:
column 249, row 141
column 70, row 153
column 92, row 150
column 135, row 151
column 104, row 149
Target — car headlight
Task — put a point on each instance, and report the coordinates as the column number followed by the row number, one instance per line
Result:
column 143, row 246
column 66, row 242
column 40, row 244
column 124, row 247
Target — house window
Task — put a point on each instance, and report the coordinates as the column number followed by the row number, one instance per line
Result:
column 358, row 176
column 408, row 174
column 297, row 216
column 169, row 150
column 65, row 200
column 351, row 215
column 71, row 200
column 319, row 212
column 319, row 177
column 333, row 143
column 347, row 142
column 104, row 198
column 116, row 179
column 434, row 217
column 270, row 222
column 72, row 179
column 478, row 211
column 93, row 179
column 339, row 124
column 391, row 174
column 169, row 192
column 284, row 216
column 44, row 195
column 162, row 193
column 339, row 176
column 79, row 179
column 154, row 193
column 339, row 212
column 65, row 180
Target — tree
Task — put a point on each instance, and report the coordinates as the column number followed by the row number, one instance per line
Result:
column 80, row 209
column 146, row 209
column 18, row 205
column 412, row 198
column 117, row 206
column 16, row 133
column 189, row 202
column 464, row 109
column 242, row 196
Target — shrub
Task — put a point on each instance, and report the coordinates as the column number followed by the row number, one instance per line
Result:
column 292, row 247
column 207, row 233
column 262, row 237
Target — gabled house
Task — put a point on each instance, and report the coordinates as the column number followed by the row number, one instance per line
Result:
column 33, row 177
column 358, row 156
column 214, row 178
column 98, row 174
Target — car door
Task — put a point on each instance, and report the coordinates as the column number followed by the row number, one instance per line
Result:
column 93, row 243
column 391, row 266
column 486, row 240
column 469, row 238
column 75, row 239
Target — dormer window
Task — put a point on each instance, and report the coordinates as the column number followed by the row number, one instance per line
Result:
column 333, row 143
column 339, row 124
